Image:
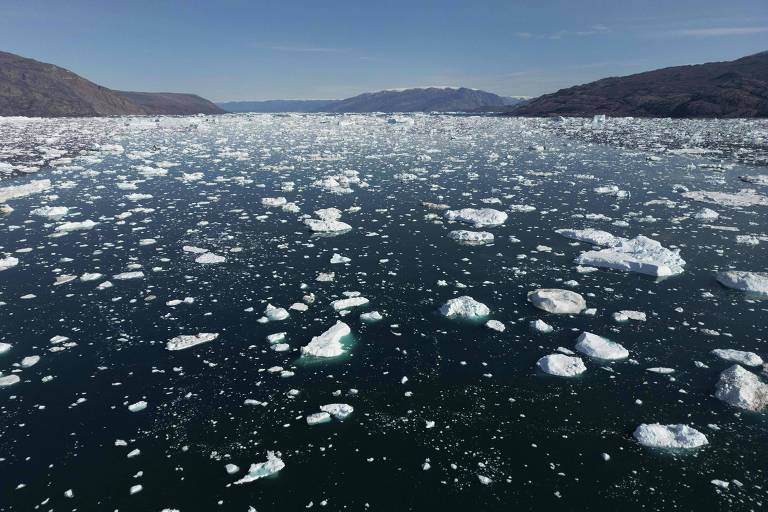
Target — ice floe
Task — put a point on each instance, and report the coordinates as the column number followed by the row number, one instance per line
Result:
column 598, row 347
column 554, row 300
column 561, row 365
column 655, row 435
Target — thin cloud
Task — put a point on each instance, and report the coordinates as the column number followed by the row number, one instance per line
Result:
column 718, row 31
column 561, row 34
column 299, row 49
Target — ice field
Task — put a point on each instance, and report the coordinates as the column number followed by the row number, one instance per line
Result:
column 371, row 312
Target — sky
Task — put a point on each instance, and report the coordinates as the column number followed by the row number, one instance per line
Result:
column 257, row 50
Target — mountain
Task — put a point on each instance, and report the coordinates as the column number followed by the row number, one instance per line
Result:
column 736, row 88
column 172, row 103
column 37, row 89
column 430, row 99
column 278, row 106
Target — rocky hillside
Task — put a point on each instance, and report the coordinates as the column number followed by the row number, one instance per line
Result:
column 731, row 89
column 36, row 89
column 172, row 103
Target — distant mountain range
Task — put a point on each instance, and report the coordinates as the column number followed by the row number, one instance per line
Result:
column 428, row 99
column 32, row 88
column 736, row 88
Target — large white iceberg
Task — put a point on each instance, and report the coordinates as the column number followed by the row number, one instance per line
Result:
column 738, row 356
column 591, row 236
column 327, row 344
column 471, row 237
column 263, row 469
column 752, row 282
column 464, row 307
column 17, row 191
column 190, row 340
column 655, row 435
column 598, row 347
column 741, row 388
column 561, row 365
column 478, row 217
column 639, row 254
column 554, row 300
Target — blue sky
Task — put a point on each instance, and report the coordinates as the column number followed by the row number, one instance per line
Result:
column 240, row 50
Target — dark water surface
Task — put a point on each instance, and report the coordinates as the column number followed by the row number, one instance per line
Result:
column 539, row 438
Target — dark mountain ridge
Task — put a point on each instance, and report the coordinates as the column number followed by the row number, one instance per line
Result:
column 37, row 89
column 426, row 99
column 737, row 88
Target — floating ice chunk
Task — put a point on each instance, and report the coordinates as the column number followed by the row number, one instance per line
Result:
column 591, row 236
column 4, row 347
column 63, row 279
column 210, row 258
column 91, row 276
column 738, row 356
column 190, row 340
column 325, row 277
column 741, row 388
column 706, row 214
column 275, row 314
column 660, row 370
column 328, row 344
column 639, row 254
column 561, row 365
column 9, row 380
column 471, row 237
column 276, row 337
column 478, row 217
column 599, row 347
column 745, row 197
column 758, row 179
column 338, row 411
column 75, row 226
column 30, row 361
column 104, row 285
column 464, row 307
column 51, row 212
column 338, row 258
column 352, row 302
column 138, row 406
column 193, row 249
column 557, row 301
column 274, row 202
column 625, row 315
column 495, row 325
column 328, row 214
column 8, row 262
column 541, row 326
column 752, row 282
column 372, row 316
column 318, row 417
column 611, row 190
column 655, row 435
column 17, row 191
column 137, row 274
column 263, row 469
column 327, row 226
column 138, row 197
column 231, row 469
